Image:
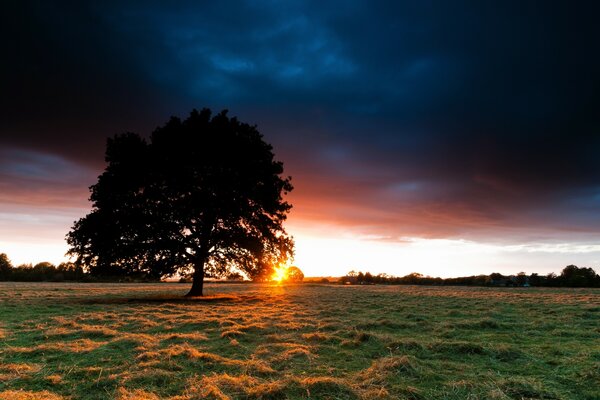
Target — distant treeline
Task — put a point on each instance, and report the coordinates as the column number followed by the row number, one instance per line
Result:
column 63, row 272
column 571, row 276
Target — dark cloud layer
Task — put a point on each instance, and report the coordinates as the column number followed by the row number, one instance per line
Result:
column 441, row 119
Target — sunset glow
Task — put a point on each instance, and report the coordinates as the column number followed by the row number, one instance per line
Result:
column 412, row 146
column 434, row 257
column 279, row 274
column 337, row 254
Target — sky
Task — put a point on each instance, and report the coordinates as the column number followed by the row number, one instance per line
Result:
column 446, row 138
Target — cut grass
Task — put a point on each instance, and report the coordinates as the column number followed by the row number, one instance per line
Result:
column 145, row 341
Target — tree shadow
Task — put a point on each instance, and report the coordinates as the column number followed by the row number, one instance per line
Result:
column 172, row 299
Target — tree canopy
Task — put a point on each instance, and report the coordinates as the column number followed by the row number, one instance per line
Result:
column 294, row 274
column 202, row 196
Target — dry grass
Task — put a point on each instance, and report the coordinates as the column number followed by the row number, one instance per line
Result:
column 137, row 394
column 194, row 336
column 147, row 342
column 28, row 395
column 225, row 387
column 54, row 379
column 17, row 370
column 76, row 346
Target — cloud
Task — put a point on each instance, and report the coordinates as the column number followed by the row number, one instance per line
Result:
column 396, row 119
column 41, row 180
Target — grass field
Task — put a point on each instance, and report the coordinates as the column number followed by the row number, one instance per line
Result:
column 247, row 341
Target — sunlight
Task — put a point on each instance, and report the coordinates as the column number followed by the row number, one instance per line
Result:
column 280, row 274
column 331, row 253
column 337, row 253
column 24, row 253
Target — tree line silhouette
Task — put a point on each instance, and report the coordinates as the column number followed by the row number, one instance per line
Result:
column 71, row 272
column 570, row 276
column 41, row 272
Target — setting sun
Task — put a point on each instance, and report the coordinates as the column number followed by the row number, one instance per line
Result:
column 286, row 274
column 280, row 274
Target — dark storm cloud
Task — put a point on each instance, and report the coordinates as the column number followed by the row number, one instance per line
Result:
column 412, row 118
column 68, row 79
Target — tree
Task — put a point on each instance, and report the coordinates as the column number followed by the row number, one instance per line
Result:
column 234, row 276
column 5, row 266
column 203, row 196
column 551, row 279
column 574, row 276
column 535, row 279
column 70, row 271
column 521, row 279
column 42, row 271
column 360, row 277
column 294, row 274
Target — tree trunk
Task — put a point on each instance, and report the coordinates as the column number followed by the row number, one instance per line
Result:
column 198, row 281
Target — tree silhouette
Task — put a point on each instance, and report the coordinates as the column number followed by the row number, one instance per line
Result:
column 294, row 274
column 202, row 196
column 5, row 266
column 574, row 276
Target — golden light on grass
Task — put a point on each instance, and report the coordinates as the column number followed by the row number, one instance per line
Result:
column 28, row 395
column 294, row 341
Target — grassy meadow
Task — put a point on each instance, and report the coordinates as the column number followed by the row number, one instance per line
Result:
column 251, row 341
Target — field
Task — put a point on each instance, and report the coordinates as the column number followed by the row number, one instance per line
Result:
column 247, row 341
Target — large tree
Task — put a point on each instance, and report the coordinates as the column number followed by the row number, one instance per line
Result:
column 203, row 196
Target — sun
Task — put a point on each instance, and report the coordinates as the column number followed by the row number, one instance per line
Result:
column 280, row 274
